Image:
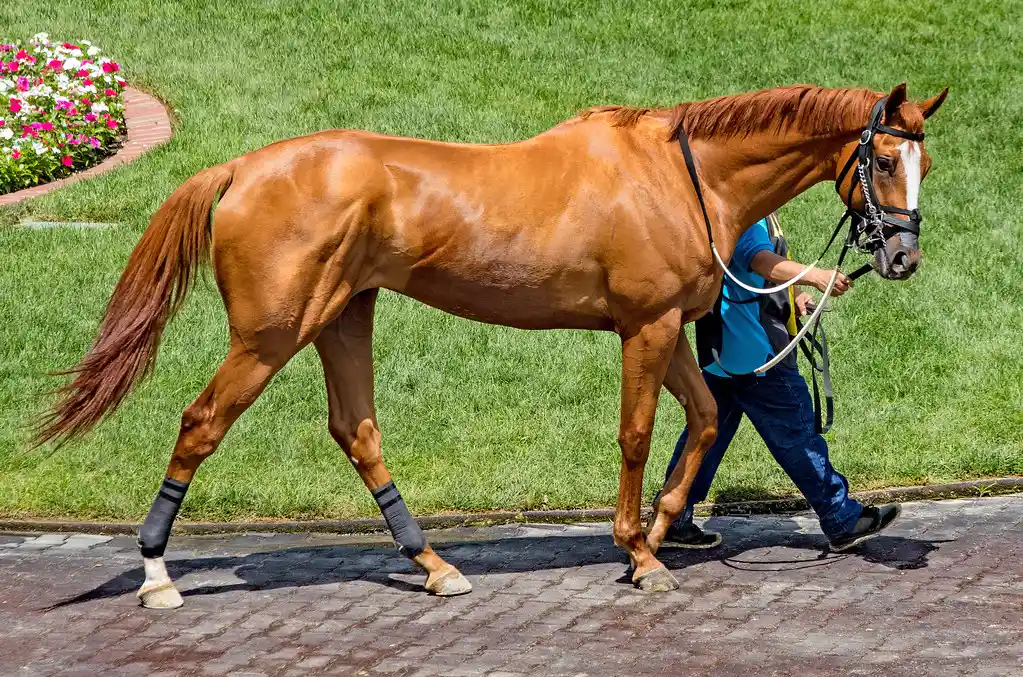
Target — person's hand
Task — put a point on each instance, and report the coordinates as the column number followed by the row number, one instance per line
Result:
column 820, row 279
column 805, row 303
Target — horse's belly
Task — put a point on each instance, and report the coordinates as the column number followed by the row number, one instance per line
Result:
column 568, row 301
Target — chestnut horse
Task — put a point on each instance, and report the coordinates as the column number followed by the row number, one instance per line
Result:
column 593, row 224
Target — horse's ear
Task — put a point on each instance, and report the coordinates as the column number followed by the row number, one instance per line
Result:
column 896, row 98
column 934, row 103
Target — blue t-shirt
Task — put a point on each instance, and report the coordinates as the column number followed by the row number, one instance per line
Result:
column 744, row 343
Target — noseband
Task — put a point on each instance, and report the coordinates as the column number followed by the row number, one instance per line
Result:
column 870, row 230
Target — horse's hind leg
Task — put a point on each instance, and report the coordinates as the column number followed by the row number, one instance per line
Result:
column 239, row 381
column 346, row 350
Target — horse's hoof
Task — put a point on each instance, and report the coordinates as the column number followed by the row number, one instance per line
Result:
column 162, row 596
column 448, row 584
column 658, row 580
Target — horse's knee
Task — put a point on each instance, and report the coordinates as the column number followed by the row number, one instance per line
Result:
column 705, row 411
column 634, row 441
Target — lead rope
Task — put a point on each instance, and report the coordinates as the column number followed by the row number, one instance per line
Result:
column 687, row 153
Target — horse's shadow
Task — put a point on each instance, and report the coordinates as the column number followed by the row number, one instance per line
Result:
column 296, row 567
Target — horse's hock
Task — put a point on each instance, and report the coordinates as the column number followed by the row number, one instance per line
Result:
column 148, row 126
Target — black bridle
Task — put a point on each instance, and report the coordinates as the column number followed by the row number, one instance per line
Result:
column 871, row 228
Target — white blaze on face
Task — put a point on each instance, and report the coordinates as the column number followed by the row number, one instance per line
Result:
column 910, row 152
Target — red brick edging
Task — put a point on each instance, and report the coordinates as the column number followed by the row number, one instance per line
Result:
column 148, row 126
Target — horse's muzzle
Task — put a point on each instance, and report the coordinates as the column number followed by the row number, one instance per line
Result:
column 899, row 258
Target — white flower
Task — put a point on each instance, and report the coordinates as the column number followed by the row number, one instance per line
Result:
column 38, row 147
column 6, row 133
column 99, row 107
column 41, row 37
column 63, row 81
column 5, row 85
column 72, row 64
column 90, row 89
column 93, row 51
column 76, row 52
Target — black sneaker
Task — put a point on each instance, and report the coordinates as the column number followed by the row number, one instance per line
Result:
column 873, row 521
column 690, row 536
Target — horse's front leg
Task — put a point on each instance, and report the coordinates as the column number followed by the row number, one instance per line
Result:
column 646, row 352
column 685, row 381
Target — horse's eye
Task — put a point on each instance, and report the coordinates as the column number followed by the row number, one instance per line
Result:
column 884, row 164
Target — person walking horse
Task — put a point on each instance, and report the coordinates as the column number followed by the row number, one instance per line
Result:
column 593, row 224
column 743, row 331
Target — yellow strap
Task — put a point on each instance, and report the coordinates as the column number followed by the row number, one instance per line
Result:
column 774, row 231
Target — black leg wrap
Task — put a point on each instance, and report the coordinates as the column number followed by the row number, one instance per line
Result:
column 409, row 538
column 156, row 529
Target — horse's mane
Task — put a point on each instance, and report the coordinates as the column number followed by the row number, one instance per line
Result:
column 816, row 110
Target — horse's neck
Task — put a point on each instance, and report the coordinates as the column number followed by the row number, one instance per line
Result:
column 750, row 177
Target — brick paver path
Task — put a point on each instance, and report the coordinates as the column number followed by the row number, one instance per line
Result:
column 940, row 594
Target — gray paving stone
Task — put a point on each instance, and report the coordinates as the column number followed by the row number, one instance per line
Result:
column 938, row 594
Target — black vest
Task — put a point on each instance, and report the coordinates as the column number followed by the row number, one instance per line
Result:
column 777, row 312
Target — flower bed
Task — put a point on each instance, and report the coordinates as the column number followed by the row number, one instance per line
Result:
column 60, row 110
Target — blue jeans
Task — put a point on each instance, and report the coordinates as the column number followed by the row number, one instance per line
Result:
column 778, row 404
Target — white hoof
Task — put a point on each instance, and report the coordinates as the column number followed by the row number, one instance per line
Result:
column 448, row 584
column 163, row 597
column 158, row 592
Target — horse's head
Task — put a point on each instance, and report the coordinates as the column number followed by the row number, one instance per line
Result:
column 880, row 181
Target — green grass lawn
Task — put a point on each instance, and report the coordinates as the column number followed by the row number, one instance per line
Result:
column 477, row 417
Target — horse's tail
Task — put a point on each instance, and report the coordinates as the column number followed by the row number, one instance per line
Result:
column 151, row 289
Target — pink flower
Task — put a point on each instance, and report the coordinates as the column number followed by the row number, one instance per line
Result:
column 55, row 64
column 68, row 45
column 111, row 67
column 23, row 84
column 73, row 111
column 74, row 141
column 94, row 142
column 86, row 102
column 112, row 124
column 12, row 66
column 14, row 106
column 36, row 126
column 120, row 82
column 67, row 161
column 15, row 154
column 31, row 59
column 90, row 117
column 47, row 126
column 109, row 92
column 87, row 82
column 22, row 54
column 6, row 48
column 2, row 122
column 63, row 105
column 82, row 73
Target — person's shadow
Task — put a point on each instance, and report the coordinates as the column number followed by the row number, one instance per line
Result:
column 294, row 567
